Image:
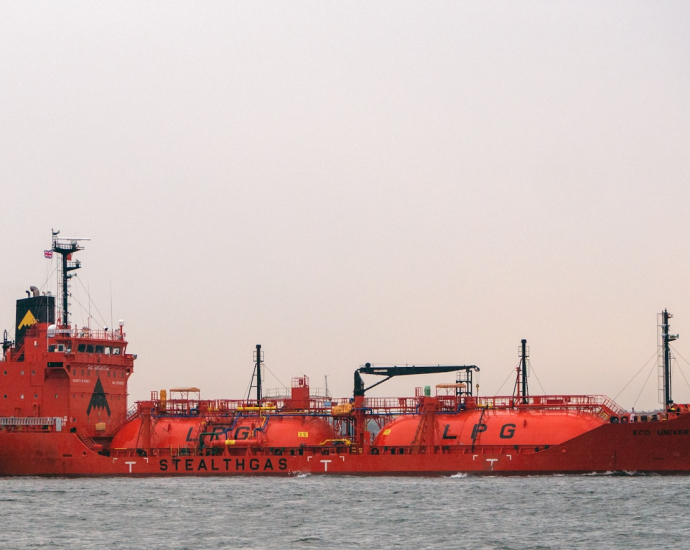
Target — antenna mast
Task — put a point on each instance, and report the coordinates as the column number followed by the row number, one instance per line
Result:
column 521, row 381
column 66, row 247
column 665, row 357
column 258, row 359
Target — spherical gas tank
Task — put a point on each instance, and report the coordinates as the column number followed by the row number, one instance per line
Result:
column 497, row 427
column 165, row 432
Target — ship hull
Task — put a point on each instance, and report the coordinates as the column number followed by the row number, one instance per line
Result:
column 641, row 447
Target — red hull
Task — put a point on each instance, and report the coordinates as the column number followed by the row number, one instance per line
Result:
column 64, row 411
column 641, row 447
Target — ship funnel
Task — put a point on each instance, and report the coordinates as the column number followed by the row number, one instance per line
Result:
column 32, row 310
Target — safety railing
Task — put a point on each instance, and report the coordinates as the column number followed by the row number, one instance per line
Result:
column 32, row 423
column 595, row 404
column 124, row 418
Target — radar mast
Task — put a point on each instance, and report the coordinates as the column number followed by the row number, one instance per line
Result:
column 66, row 247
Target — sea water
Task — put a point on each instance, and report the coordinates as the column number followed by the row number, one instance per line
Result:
column 347, row 512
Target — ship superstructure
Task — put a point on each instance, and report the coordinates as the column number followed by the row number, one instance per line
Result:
column 59, row 374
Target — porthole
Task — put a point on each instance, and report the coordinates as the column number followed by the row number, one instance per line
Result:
column 21, row 396
column 56, row 396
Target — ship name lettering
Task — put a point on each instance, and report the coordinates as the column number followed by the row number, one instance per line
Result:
column 254, row 464
column 97, row 367
column 641, row 432
column 672, row 432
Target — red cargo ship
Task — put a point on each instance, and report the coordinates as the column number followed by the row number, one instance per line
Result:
column 63, row 411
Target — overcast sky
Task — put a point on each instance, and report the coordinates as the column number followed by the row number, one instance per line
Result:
column 384, row 182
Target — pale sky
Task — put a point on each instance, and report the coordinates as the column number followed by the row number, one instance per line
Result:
column 386, row 182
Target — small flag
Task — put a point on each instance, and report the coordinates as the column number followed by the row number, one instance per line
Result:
column 48, row 254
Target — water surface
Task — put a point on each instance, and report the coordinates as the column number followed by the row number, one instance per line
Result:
column 347, row 512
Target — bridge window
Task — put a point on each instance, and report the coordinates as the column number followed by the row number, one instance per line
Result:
column 100, row 349
column 89, row 348
column 81, row 347
column 107, row 350
column 116, row 351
